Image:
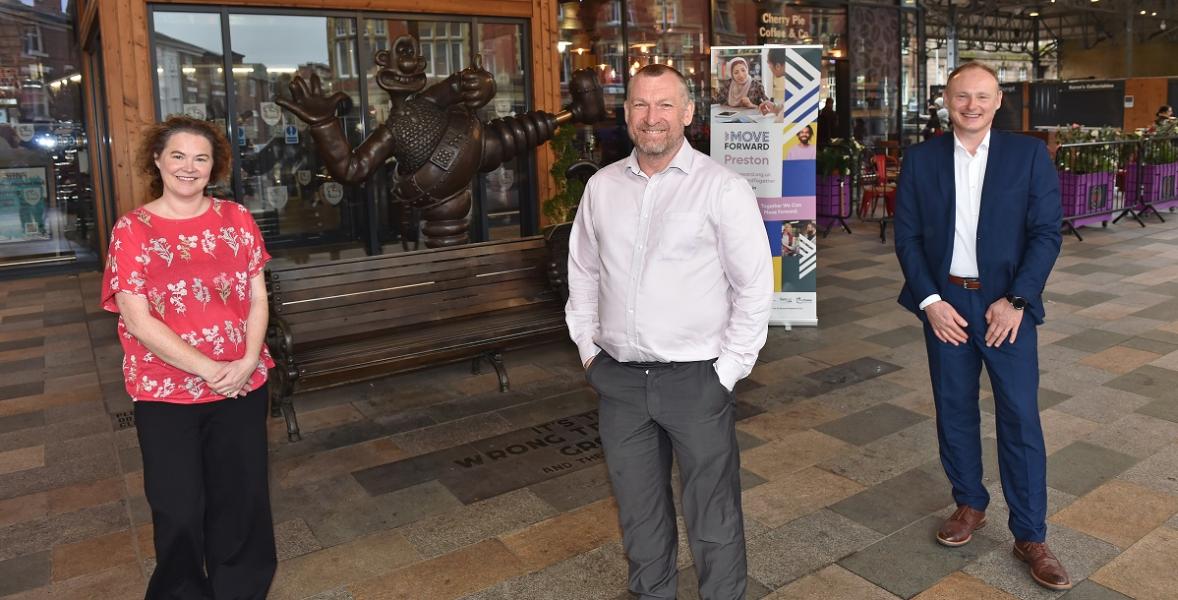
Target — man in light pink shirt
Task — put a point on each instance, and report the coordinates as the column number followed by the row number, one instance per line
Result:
column 670, row 285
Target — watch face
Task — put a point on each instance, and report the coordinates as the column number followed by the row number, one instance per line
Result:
column 1018, row 303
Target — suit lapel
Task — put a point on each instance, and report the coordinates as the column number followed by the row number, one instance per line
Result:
column 991, row 198
column 948, row 205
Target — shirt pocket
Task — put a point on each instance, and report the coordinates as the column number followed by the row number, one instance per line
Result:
column 681, row 235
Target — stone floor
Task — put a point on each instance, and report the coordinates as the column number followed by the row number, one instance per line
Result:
column 434, row 485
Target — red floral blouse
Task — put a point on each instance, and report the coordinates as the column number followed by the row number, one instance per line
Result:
column 195, row 274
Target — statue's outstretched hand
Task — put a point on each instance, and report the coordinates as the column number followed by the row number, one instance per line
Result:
column 308, row 102
column 476, row 86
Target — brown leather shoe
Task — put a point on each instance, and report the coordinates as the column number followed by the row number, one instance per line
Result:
column 1046, row 569
column 958, row 529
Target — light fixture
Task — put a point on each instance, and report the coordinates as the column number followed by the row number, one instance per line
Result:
column 1153, row 14
column 1034, row 12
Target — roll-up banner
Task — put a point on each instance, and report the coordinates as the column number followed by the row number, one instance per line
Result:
column 763, row 122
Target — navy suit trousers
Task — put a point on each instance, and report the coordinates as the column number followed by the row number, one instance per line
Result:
column 1014, row 377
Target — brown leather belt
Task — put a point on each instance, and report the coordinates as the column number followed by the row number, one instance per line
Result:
column 969, row 283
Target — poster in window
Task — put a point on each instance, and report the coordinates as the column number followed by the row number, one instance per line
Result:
column 25, row 211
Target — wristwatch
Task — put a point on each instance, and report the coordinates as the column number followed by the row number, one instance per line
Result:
column 1018, row 302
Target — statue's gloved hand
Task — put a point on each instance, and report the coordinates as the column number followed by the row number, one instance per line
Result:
column 308, row 102
column 476, row 86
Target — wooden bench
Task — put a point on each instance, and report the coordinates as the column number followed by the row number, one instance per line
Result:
column 351, row 320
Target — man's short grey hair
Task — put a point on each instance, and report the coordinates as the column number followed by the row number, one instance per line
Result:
column 658, row 70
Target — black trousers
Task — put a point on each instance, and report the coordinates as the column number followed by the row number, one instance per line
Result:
column 205, row 474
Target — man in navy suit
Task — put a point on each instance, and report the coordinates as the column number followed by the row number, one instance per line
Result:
column 977, row 232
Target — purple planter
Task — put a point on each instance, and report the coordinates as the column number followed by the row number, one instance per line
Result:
column 832, row 199
column 1087, row 194
column 1158, row 185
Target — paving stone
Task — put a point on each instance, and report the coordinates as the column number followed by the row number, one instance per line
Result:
column 1155, row 346
column 1080, row 554
column 860, row 396
column 1103, row 405
column 565, row 535
column 804, row 545
column 779, row 502
column 596, row 575
column 551, row 408
column 790, row 453
column 1159, row 472
column 31, row 388
column 345, row 520
column 897, row 337
column 830, row 583
column 25, row 572
column 401, row 474
column 445, row 532
column 1081, row 467
column 293, row 538
column 888, row 456
column 1090, row 590
column 575, row 489
column 853, row 372
column 1162, row 409
column 924, row 560
column 331, row 568
column 1135, row 434
column 34, row 536
column 871, row 424
column 689, row 587
column 1118, row 512
column 897, row 502
column 22, row 343
column 21, row 421
column 1093, row 340
column 1150, row 381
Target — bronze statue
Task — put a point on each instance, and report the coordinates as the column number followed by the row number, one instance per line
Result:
column 434, row 134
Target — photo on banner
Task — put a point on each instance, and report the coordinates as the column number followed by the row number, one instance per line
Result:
column 763, row 114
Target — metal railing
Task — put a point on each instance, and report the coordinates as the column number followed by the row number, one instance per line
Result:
column 1105, row 181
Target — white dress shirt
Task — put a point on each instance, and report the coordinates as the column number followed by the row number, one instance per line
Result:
column 968, row 173
column 670, row 267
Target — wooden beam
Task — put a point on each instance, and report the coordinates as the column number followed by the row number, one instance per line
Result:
column 545, row 89
column 483, row 8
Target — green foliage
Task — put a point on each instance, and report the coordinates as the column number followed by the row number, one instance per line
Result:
column 838, row 158
column 1097, row 158
column 1161, row 144
column 563, row 204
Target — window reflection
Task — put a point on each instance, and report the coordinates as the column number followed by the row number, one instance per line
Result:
column 591, row 38
column 190, row 70
column 284, row 182
column 46, row 197
column 504, row 190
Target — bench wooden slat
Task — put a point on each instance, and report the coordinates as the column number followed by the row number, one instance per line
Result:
column 386, row 284
column 359, row 318
column 429, row 257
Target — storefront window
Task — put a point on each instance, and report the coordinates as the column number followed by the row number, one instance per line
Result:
column 504, row 191
column 674, row 33
column 279, row 174
column 591, row 38
column 190, row 70
column 875, row 71
column 913, row 109
column 47, row 210
column 750, row 23
column 283, row 180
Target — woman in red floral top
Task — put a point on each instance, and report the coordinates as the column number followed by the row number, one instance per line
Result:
column 185, row 275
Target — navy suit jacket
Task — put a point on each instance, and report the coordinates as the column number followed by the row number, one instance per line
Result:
column 1018, row 236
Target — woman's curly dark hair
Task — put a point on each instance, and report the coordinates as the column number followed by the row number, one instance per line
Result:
column 156, row 139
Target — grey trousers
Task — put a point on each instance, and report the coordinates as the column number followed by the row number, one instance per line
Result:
column 647, row 412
